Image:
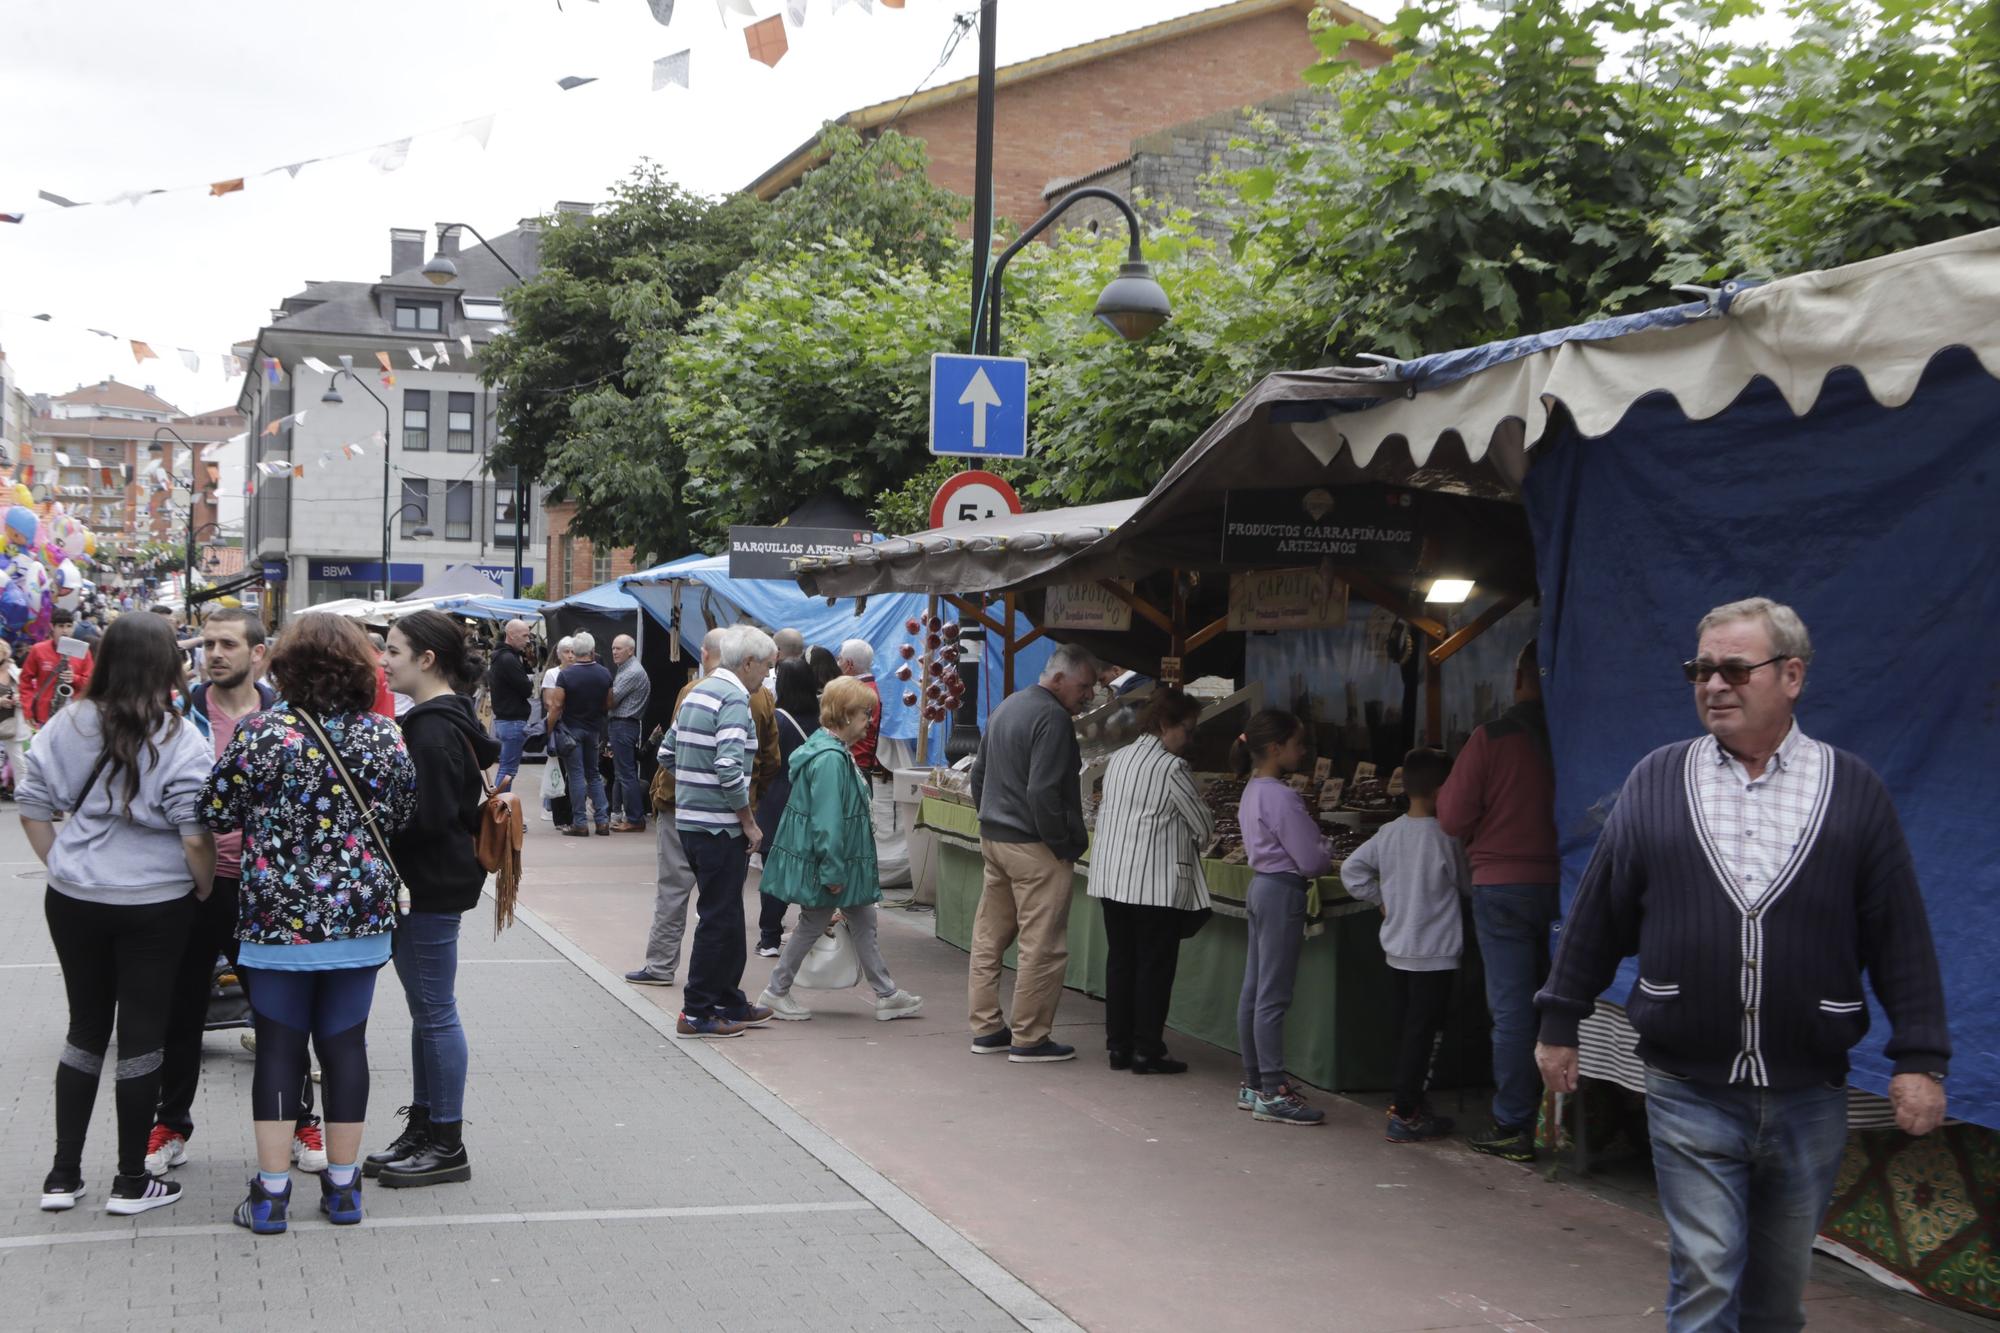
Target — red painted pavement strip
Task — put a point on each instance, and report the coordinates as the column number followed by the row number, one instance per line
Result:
column 1151, row 1203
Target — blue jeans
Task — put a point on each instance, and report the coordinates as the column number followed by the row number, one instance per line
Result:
column 720, row 862
column 584, row 774
column 625, row 736
column 513, row 738
column 1745, row 1175
column 426, row 953
column 1513, row 923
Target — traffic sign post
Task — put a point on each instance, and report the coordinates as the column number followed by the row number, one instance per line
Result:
column 979, row 406
column 969, row 497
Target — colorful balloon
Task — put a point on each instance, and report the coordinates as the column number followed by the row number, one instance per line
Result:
column 22, row 526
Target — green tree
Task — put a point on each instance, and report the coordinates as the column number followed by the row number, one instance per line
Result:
column 877, row 190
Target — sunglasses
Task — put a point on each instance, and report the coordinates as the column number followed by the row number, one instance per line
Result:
column 1736, row 673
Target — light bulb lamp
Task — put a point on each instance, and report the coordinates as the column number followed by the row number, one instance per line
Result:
column 1131, row 305
column 332, row 398
column 442, row 270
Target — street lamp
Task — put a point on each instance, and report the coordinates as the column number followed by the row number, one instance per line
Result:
column 423, row 532
column 1131, row 305
column 441, row 269
column 332, row 396
column 188, row 566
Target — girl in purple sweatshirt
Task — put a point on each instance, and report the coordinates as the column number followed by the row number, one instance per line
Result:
column 1286, row 851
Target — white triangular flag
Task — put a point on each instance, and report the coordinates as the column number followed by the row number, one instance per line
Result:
column 728, row 7
column 232, row 365
column 190, row 360
column 390, row 156
column 671, row 70
column 479, row 128
column 315, row 364
column 795, row 10
column 663, row 11
column 323, row 456
column 417, row 359
column 377, row 439
column 465, row 341
column 443, row 356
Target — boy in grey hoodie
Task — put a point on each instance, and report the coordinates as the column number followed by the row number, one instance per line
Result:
column 1418, row 874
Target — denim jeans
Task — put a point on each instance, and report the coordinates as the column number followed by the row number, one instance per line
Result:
column 625, row 737
column 1513, row 923
column 714, row 988
column 1745, row 1175
column 583, row 772
column 513, row 738
column 426, row 953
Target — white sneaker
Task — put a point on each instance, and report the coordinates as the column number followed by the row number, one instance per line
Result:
column 900, row 1005
column 250, row 1042
column 309, row 1146
column 785, row 1007
column 169, row 1150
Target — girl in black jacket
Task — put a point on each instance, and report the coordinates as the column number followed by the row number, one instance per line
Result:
column 431, row 660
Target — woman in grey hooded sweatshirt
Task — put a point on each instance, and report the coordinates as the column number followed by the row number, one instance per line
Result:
column 125, row 773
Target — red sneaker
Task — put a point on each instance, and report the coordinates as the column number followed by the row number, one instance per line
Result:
column 309, row 1146
column 166, row 1148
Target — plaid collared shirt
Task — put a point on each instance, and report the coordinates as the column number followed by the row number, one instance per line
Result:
column 1756, row 823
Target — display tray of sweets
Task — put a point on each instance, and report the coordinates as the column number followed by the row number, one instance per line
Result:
column 1370, row 796
column 1345, row 839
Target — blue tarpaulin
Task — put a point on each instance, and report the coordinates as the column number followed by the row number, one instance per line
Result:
column 494, row 608
column 707, row 593
column 1878, row 525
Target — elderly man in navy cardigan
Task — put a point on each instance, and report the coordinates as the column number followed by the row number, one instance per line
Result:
column 1756, row 873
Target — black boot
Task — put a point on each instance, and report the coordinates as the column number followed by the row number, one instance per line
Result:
column 441, row 1161
column 416, row 1131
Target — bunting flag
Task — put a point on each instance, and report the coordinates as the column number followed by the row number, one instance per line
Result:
column 16, row 217
column 795, row 10
column 56, row 199
column 141, row 352
column 389, row 380
column 727, row 7
column 478, row 129
column 417, row 359
column 465, row 341
column 671, row 70
column 190, row 360
column 390, row 156
column 273, row 372
column 292, row 169
column 570, row 81
column 663, row 11
column 232, row 365
column 443, row 355
column 766, row 40
column 315, row 365
column 220, row 188
column 383, row 357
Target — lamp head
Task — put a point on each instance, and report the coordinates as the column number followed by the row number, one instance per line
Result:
column 1133, row 305
column 440, row 270
column 423, row 532
column 332, row 394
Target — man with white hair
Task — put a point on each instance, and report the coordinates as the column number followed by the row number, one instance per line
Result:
column 578, row 707
column 1757, row 874
column 857, row 659
column 512, row 690
column 1026, row 782
column 711, row 746
column 675, row 878
column 631, row 691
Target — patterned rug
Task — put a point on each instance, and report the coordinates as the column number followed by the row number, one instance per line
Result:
column 1927, row 1210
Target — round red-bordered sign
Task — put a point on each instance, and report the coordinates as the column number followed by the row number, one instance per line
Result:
column 971, row 496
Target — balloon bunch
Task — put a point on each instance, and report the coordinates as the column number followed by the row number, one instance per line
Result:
column 933, row 671
column 38, row 570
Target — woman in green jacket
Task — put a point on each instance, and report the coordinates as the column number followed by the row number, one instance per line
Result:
column 823, row 855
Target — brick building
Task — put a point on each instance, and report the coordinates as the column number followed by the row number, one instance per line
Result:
column 575, row 564
column 1073, row 113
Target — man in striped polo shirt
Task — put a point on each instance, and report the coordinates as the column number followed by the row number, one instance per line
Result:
column 710, row 746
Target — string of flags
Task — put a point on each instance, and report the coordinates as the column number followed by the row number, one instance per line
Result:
column 765, row 39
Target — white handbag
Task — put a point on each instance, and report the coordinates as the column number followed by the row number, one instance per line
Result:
column 832, row 963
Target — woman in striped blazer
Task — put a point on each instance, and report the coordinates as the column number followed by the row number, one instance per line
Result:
column 1145, row 868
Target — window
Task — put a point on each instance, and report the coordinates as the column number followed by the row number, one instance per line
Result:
column 565, row 556
column 416, row 418
column 458, row 423
column 504, row 531
column 419, row 316
column 458, row 511
column 600, row 567
column 481, row 308
column 416, row 493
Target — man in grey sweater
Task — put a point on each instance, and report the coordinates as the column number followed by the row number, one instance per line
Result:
column 1026, row 782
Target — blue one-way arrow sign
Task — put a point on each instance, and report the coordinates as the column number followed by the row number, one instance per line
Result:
column 979, row 406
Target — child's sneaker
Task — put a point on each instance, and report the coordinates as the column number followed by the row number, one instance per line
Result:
column 1420, row 1127
column 1285, row 1108
column 340, row 1203
column 61, row 1191
column 1246, row 1096
column 139, row 1194
column 263, row 1212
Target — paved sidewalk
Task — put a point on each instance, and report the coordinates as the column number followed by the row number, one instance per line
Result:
column 618, row 1182
column 1147, row 1204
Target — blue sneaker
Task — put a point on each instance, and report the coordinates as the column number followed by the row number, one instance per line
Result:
column 340, row 1203
column 1045, row 1054
column 1422, row 1127
column 263, row 1212
column 993, row 1043
column 1246, row 1095
column 1283, row 1108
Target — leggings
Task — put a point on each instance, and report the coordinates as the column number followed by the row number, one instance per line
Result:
column 331, row 1007
column 118, row 963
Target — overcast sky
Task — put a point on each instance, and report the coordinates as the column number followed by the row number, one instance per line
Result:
column 103, row 96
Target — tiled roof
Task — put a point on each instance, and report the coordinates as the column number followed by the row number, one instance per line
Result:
column 111, row 393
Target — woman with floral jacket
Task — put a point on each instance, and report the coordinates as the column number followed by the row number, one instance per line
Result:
column 319, row 896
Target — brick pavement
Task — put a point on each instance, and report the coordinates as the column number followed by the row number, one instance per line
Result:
column 617, row 1183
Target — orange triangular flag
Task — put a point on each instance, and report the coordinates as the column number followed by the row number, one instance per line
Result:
column 766, row 39
column 383, row 357
column 892, row 4
column 274, row 427
column 388, row 381
column 141, row 352
column 221, row 188
column 298, row 469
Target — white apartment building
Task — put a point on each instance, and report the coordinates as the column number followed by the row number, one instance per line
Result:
column 319, row 535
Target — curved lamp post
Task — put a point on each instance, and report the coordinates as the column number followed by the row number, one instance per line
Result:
column 332, row 396
column 441, row 270
column 188, row 567
column 1132, row 305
